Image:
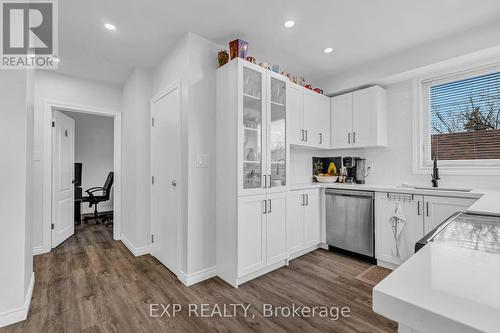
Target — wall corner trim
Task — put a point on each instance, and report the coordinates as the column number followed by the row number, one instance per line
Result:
column 136, row 251
column 190, row 279
column 21, row 313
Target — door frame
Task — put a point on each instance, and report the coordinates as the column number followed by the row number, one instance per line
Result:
column 182, row 183
column 49, row 106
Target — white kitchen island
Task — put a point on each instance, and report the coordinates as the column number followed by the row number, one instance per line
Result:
column 443, row 288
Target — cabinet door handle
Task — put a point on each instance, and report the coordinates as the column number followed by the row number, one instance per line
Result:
column 269, row 211
column 320, row 138
column 418, row 208
column 427, row 208
column 269, row 183
column 264, row 207
column 265, row 182
column 349, row 137
column 307, row 199
column 306, row 135
column 303, row 200
column 301, row 135
column 353, row 137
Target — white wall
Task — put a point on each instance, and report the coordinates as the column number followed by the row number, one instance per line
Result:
column 136, row 122
column 51, row 87
column 193, row 61
column 94, row 149
column 393, row 165
column 16, row 135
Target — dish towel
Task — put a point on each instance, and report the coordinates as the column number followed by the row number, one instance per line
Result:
column 397, row 222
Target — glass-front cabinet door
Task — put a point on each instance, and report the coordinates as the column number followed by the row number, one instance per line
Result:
column 253, row 130
column 277, row 150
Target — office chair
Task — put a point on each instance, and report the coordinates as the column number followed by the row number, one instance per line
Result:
column 95, row 199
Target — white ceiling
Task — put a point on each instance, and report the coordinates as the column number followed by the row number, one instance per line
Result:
column 358, row 30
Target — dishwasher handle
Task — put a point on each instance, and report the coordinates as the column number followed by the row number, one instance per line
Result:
column 350, row 193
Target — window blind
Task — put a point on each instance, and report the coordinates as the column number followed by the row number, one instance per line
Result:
column 464, row 118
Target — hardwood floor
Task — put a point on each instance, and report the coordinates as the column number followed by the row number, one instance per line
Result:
column 91, row 283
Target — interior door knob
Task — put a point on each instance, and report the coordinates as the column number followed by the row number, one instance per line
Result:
column 174, row 183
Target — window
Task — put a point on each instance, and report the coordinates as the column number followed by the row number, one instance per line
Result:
column 459, row 122
column 465, row 118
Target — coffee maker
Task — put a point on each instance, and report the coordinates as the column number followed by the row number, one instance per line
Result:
column 355, row 168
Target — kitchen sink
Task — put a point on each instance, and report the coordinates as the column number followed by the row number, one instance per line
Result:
column 456, row 189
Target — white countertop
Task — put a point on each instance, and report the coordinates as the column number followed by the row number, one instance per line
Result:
column 488, row 200
column 443, row 288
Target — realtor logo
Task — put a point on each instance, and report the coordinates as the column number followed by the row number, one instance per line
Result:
column 29, row 34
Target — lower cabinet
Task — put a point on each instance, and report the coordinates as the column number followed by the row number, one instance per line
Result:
column 303, row 220
column 261, row 231
column 438, row 209
column 423, row 213
column 385, row 244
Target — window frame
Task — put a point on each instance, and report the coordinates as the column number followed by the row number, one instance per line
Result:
column 421, row 125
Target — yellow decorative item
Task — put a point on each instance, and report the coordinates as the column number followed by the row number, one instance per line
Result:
column 332, row 169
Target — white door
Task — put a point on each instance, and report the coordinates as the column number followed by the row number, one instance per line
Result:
column 364, row 117
column 294, row 227
column 295, row 114
column 311, row 218
column 165, row 156
column 252, row 212
column 324, row 121
column 341, row 121
column 63, row 168
column 385, row 244
column 276, row 227
column 311, row 118
column 438, row 209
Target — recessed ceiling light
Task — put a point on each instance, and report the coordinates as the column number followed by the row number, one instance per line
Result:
column 289, row 23
column 328, row 50
column 110, row 26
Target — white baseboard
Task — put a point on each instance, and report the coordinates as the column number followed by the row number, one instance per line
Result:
column 37, row 250
column 21, row 313
column 190, row 279
column 136, row 250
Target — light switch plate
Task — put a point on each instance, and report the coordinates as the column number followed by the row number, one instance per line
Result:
column 202, row 161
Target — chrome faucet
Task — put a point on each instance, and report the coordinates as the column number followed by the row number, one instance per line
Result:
column 435, row 172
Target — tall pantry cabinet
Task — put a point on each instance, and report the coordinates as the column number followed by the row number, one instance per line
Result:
column 252, row 168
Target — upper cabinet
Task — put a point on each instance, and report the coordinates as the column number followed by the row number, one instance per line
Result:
column 251, row 119
column 359, row 119
column 309, row 118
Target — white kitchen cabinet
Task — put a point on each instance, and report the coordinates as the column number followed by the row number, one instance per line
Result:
column 295, row 114
column 311, row 218
column 341, row 122
column 303, row 220
column 423, row 214
column 276, row 228
column 252, row 158
column 359, row 119
column 309, row 117
column 316, row 119
column 438, row 209
column 251, row 234
column 385, row 245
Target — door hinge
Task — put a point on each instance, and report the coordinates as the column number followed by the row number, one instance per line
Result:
column 52, row 226
column 152, row 121
column 53, row 123
column 152, row 238
column 153, row 180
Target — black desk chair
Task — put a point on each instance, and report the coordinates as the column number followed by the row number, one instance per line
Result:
column 94, row 199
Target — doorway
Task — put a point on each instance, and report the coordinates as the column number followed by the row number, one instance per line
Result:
column 60, row 171
column 165, row 172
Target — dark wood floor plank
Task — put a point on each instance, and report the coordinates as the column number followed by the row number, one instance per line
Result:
column 91, row 283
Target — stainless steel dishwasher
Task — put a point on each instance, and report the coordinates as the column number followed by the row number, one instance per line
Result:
column 350, row 222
